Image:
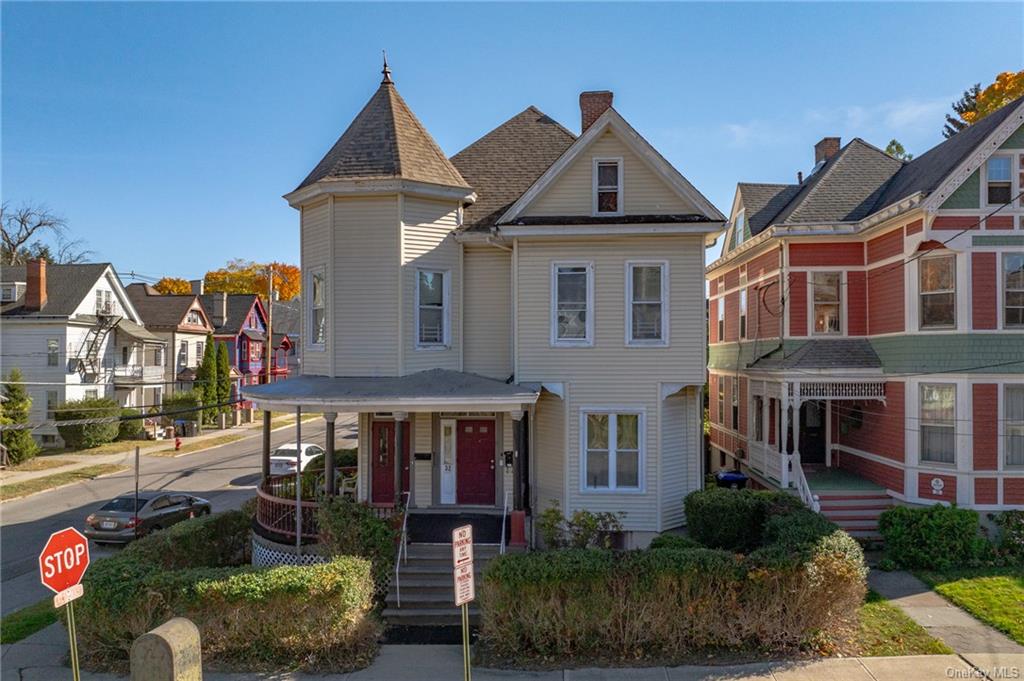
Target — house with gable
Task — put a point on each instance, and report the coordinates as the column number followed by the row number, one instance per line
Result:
column 867, row 327
column 517, row 326
column 75, row 333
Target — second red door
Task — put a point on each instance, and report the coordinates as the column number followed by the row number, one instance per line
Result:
column 474, row 455
column 382, row 462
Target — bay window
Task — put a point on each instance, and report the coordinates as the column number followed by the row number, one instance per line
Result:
column 938, row 292
column 647, row 295
column 572, row 318
column 1013, row 290
column 1014, row 407
column 938, row 423
column 827, row 288
column 612, row 450
column 998, row 183
column 431, row 308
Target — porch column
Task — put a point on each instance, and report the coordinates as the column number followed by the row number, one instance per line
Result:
column 828, row 433
column 797, row 404
column 765, row 423
column 784, row 439
column 329, row 486
column 400, row 417
column 266, row 444
column 519, row 433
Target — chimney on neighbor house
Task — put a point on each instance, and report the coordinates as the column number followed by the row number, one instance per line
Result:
column 197, row 286
column 35, row 285
column 219, row 313
column 799, row 177
column 826, row 149
column 592, row 105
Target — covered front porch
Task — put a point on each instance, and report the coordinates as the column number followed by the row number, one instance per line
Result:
column 436, row 444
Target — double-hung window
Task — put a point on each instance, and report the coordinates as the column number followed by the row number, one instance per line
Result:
column 572, row 309
column 739, row 228
column 182, row 354
column 52, row 398
column 999, row 186
column 721, row 319
column 52, row 352
column 721, row 400
column 317, row 308
column 1014, row 408
column 613, row 450
column 647, row 309
column 938, row 422
column 431, row 309
column 1013, row 290
column 200, row 351
column 758, row 418
column 743, row 314
column 734, row 393
column 938, row 292
column 607, row 186
column 827, row 302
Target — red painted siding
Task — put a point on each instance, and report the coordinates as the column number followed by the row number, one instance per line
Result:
column 985, row 426
column 713, row 286
column 797, row 304
column 857, row 303
column 885, row 246
column 763, row 314
column 984, row 293
column 885, row 299
column 955, row 222
column 915, row 227
column 732, row 316
column 763, row 264
column 1013, row 490
column 727, row 421
column 882, row 431
column 924, row 486
column 840, row 253
column 713, row 320
column 732, row 279
column 985, row 490
column 999, row 222
column 889, row 477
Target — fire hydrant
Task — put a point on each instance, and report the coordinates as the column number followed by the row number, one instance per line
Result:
column 177, row 443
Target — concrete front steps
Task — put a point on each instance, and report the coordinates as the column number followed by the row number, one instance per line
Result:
column 428, row 591
column 855, row 511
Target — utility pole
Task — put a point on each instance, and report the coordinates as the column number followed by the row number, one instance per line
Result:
column 270, row 321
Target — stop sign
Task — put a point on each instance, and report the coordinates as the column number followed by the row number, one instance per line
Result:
column 64, row 559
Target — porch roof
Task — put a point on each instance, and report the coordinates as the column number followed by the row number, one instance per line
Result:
column 434, row 389
column 825, row 353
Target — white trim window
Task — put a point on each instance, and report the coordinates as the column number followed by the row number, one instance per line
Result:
column 743, row 313
column 317, row 308
column 721, row 319
column 572, row 304
column 612, row 450
column 739, row 228
column 938, row 423
column 432, row 308
column 721, row 399
column 52, row 352
column 938, row 291
column 758, row 418
column 647, row 303
column 827, row 297
column 998, row 180
column 52, row 398
column 1013, row 290
column 1013, row 396
column 607, row 186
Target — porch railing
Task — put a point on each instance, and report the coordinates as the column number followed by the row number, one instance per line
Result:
column 403, row 551
column 275, row 507
column 504, row 516
column 809, row 498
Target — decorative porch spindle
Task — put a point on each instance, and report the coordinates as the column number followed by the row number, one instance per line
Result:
column 784, row 440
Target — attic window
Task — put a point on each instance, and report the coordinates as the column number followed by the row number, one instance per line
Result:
column 7, row 293
column 739, row 227
column 194, row 318
column 607, row 186
column 998, row 180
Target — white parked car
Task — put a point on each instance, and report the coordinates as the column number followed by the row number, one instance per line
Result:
column 283, row 460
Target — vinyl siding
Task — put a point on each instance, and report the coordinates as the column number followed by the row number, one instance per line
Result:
column 680, row 465
column 487, row 327
column 549, row 452
column 422, row 474
column 316, row 251
column 365, row 307
column 643, row 191
column 610, row 373
column 428, row 243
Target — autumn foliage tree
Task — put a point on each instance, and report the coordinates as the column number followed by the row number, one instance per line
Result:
column 170, row 286
column 976, row 103
column 245, row 276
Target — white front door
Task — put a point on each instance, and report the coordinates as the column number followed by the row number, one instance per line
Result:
column 447, row 462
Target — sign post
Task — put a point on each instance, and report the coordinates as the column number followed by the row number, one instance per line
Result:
column 465, row 590
column 62, row 564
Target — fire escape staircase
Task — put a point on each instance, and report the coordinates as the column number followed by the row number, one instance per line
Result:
column 89, row 358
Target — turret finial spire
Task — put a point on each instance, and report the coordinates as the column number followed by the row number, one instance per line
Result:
column 386, row 70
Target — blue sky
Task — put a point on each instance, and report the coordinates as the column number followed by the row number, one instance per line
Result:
column 167, row 133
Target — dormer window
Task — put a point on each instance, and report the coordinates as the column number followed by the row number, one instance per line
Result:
column 999, row 188
column 608, row 186
column 194, row 318
column 7, row 292
column 739, row 227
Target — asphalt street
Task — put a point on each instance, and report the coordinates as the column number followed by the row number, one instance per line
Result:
column 225, row 475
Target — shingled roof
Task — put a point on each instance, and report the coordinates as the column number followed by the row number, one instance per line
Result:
column 505, row 162
column 386, row 141
column 158, row 310
column 825, row 353
column 66, row 287
column 237, row 309
column 762, row 202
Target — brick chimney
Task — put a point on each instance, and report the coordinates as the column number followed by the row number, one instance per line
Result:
column 35, row 288
column 826, row 149
column 592, row 105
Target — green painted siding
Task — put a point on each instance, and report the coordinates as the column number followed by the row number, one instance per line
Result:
column 968, row 195
column 737, row 356
column 952, row 352
column 997, row 240
column 1016, row 140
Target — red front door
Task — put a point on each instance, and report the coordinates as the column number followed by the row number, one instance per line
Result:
column 382, row 462
column 474, row 454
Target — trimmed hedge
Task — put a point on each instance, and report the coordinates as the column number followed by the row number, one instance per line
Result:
column 84, row 436
column 803, row 581
column 130, row 429
column 350, row 528
column 931, row 538
column 314, row 618
column 734, row 519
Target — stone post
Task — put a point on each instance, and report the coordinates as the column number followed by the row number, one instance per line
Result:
column 171, row 652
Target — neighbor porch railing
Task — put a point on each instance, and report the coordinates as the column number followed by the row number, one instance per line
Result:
column 809, row 498
column 403, row 548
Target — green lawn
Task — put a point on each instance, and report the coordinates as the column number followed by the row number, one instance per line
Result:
column 198, row 445
column 21, row 489
column 27, row 621
column 886, row 631
column 41, row 463
column 993, row 595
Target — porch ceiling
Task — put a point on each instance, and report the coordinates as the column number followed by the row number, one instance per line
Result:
column 432, row 390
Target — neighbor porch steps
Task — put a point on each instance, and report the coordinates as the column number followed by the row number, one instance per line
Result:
column 856, row 512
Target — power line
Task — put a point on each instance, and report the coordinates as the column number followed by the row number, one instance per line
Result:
column 115, row 419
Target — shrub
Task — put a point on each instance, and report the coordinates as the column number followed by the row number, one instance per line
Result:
column 1011, row 533
column 179, row 402
column 343, row 458
column 732, row 519
column 84, row 436
column 673, row 541
column 219, row 540
column 350, row 528
column 936, row 537
column 130, row 429
column 583, row 530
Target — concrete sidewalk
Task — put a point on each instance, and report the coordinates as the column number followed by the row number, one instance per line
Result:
column 40, row 658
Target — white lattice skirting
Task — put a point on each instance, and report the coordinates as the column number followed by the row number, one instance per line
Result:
column 266, row 553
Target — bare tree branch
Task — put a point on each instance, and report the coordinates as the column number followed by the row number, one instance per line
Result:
column 27, row 232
